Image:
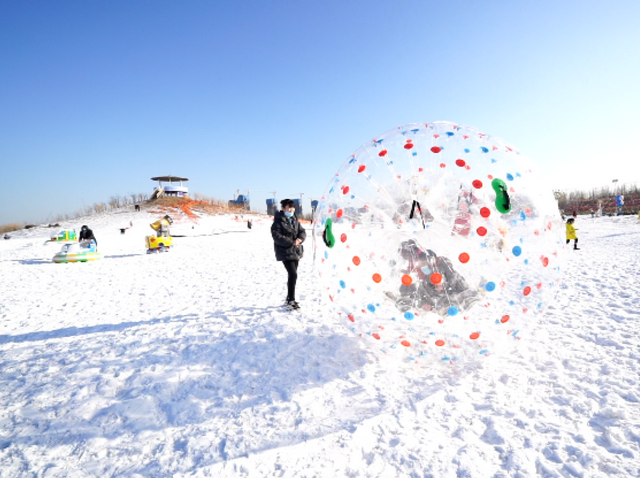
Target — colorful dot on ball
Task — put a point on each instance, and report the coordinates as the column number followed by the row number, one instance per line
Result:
column 490, row 286
column 409, row 315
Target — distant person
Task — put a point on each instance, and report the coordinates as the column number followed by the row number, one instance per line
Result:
column 7, row 236
column 137, row 207
column 571, row 234
column 86, row 234
column 288, row 236
column 249, row 224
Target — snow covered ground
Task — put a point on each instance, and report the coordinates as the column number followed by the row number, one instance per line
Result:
column 183, row 364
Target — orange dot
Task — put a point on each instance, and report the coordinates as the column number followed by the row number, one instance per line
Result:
column 407, row 280
column 464, row 257
column 505, row 318
column 436, row 278
column 377, row 278
column 356, row 260
column 339, row 213
column 405, row 343
column 439, row 343
column 361, row 168
column 474, row 336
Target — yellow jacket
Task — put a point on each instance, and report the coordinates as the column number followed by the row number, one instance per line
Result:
column 571, row 232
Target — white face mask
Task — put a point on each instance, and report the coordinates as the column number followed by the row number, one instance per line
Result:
column 425, row 270
column 288, row 214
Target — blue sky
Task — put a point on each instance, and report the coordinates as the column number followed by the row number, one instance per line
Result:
column 97, row 97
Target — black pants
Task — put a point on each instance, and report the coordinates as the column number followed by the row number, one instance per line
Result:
column 292, row 270
column 575, row 243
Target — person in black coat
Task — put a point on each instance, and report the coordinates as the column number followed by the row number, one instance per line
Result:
column 288, row 236
column 86, row 234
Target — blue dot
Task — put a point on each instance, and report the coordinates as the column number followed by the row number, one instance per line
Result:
column 512, row 303
column 353, row 160
column 326, row 255
column 523, row 216
column 494, row 160
column 342, row 284
column 352, row 196
column 517, row 250
column 414, row 154
column 452, row 311
column 330, row 190
column 490, row 286
column 449, row 133
column 509, row 177
column 526, row 262
column 467, row 150
column 409, row 315
column 371, row 307
column 483, row 351
column 483, row 149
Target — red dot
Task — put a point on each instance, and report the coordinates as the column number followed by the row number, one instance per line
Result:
column 345, row 190
column 460, row 162
column 406, row 343
column 539, row 285
column 439, row 343
column 545, row 261
column 343, row 237
column 356, row 260
column 353, row 226
column 362, row 168
column 375, row 336
column 477, row 184
column 351, row 318
column 527, row 290
column 442, row 165
column 383, row 153
column 436, row 149
column 474, row 336
column 408, row 146
column 464, row 257
column 436, row 278
column 377, row 278
column 407, row 280
column 339, row 213
column 420, row 170
column 482, row 231
column 484, row 212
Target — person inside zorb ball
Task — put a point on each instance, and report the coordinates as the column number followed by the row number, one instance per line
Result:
column 437, row 241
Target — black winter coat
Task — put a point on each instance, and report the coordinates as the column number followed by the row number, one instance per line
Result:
column 285, row 231
column 87, row 235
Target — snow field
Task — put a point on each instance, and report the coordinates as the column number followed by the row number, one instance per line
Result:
column 184, row 364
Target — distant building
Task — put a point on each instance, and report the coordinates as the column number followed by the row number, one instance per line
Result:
column 298, row 203
column 174, row 188
column 272, row 206
column 241, row 202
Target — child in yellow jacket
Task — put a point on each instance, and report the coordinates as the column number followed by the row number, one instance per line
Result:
column 571, row 233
